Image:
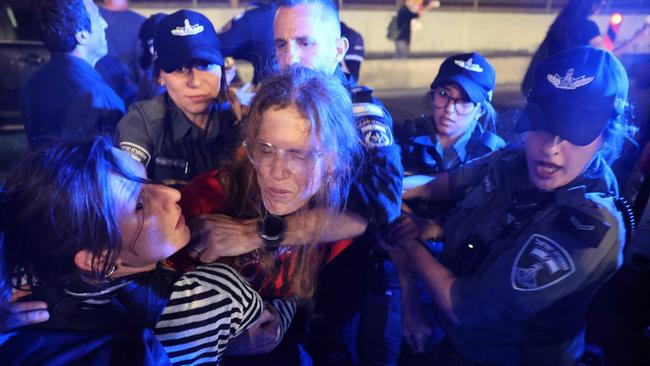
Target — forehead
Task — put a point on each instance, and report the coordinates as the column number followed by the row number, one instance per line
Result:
column 91, row 8
column 304, row 20
column 284, row 127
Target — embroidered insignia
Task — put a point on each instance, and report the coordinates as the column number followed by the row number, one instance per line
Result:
column 187, row 29
column 374, row 133
column 587, row 229
column 541, row 262
column 469, row 65
column 367, row 110
column 568, row 82
column 137, row 152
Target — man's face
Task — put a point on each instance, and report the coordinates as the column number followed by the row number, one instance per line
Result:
column 303, row 37
column 97, row 36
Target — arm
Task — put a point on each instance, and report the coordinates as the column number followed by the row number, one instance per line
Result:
column 432, row 188
column 212, row 303
column 215, row 236
column 267, row 332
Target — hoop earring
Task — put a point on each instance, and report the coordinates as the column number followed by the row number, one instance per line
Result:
column 108, row 277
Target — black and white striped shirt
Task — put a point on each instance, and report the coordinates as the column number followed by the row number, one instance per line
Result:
column 208, row 306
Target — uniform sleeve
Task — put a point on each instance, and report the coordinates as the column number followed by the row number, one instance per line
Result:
column 573, row 251
column 234, row 37
column 376, row 194
column 462, row 179
column 133, row 135
column 207, row 307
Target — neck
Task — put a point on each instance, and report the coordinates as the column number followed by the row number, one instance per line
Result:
column 200, row 120
column 83, row 54
column 446, row 141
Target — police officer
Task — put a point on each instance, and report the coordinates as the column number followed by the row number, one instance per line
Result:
column 536, row 231
column 190, row 129
column 451, row 135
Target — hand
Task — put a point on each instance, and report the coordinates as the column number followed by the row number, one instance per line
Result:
column 415, row 325
column 432, row 5
column 25, row 313
column 214, row 236
column 411, row 226
column 262, row 337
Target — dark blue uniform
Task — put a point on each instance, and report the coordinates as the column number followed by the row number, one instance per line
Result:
column 249, row 37
column 67, row 96
column 527, row 262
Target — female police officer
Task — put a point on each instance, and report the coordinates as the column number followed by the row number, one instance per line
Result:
column 536, row 231
column 190, row 129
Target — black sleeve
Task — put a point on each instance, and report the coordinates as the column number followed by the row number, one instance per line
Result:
column 376, row 194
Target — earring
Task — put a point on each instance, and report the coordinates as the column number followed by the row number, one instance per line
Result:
column 108, row 276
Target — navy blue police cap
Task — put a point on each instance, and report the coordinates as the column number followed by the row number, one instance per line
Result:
column 574, row 94
column 184, row 37
column 471, row 72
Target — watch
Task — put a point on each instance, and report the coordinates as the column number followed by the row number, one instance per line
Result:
column 271, row 229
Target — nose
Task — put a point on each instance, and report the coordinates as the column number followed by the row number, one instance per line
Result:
column 168, row 196
column 451, row 105
column 551, row 145
column 279, row 168
column 292, row 56
column 194, row 79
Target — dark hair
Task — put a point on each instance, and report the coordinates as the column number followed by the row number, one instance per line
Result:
column 59, row 22
column 616, row 131
column 55, row 203
column 488, row 118
column 322, row 100
column 573, row 11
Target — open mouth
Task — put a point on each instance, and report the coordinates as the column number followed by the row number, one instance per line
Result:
column 546, row 170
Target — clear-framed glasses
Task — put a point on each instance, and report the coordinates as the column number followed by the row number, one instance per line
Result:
column 441, row 99
column 297, row 160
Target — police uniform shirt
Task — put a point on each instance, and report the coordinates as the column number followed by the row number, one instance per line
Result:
column 249, row 37
column 356, row 53
column 376, row 193
column 528, row 262
column 68, row 97
column 142, row 134
column 422, row 153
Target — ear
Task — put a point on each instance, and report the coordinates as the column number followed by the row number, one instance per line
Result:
column 342, row 45
column 82, row 37
column 84, row 260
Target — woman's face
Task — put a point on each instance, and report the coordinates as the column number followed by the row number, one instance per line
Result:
column 287, row 159
column 554, row 162
column 452, row 113
column 193, row 89
column 150, row 219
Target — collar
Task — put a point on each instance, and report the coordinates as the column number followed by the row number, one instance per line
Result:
column 459, row 147
column 182, row 127
column 68, row 59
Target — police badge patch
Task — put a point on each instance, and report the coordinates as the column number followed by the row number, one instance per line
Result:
column 541, row 262
column 374, row 133
column 136, row 151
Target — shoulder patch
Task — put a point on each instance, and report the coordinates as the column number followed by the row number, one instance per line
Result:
column 137, row 152
column 367, row 110
column 540, row 263
column 588, row 229
column 374, row 133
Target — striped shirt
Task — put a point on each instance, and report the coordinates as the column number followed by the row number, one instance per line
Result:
column 208, row 306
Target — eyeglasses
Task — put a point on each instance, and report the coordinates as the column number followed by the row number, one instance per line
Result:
column 298, row 161
column 441, row 99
